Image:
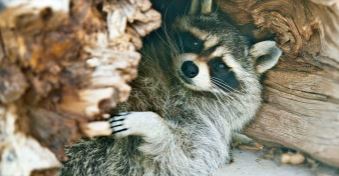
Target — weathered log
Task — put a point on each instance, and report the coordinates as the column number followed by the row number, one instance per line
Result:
column 62, row 64
column 301, row 99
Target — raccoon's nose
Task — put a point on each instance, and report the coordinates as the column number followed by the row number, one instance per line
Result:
column 189, row 69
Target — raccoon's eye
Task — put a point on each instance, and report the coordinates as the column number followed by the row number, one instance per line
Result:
column 221, row 66
column 218, row 64
column 222, row 75
column 189, row 43
column 196, row 44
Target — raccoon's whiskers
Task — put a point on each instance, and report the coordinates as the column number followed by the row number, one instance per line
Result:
column 222, row 84
column 169, row 41
column 233, row 98
column 217, row 95
column 221, row 96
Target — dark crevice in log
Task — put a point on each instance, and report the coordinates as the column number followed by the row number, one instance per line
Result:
column 3, row 53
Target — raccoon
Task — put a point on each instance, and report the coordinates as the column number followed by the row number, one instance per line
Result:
column 198, row 84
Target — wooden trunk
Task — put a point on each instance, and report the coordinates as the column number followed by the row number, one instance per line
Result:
column 301, row 96
column 64, row 63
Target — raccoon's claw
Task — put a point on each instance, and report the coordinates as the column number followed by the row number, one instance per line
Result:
column 117, row 131
column 135, row 123
column 244, row 142
column 115, row 119
column 230, row 159
column 123, row 113
column 117, row 124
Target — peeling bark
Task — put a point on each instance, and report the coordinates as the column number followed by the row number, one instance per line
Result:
column 63, row 64
column 301, row 107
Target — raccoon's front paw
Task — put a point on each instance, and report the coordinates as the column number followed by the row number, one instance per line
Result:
column 119, row 129
column 147, row 124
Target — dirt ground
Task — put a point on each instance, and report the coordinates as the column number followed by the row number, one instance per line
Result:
column 247, row 163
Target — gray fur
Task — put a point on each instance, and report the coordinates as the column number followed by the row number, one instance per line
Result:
column 197, row 125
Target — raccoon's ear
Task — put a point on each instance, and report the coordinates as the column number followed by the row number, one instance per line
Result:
column 265, row 54
column 194, row 7
column 206, row 7
column 201, row 6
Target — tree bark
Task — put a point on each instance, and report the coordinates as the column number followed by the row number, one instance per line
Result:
column 301, row 97
column 62, row 64
column 65, row 63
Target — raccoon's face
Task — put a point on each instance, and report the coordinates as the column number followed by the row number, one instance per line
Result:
column 213, row 56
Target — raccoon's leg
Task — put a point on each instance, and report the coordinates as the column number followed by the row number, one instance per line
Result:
column 146, row 124
column 195, row 148
column 241, row 139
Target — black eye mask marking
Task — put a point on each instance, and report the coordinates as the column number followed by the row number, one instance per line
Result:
column 222, row 75
column 188, row 43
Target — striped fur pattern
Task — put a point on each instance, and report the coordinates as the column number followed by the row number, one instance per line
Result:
column 180, row 122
